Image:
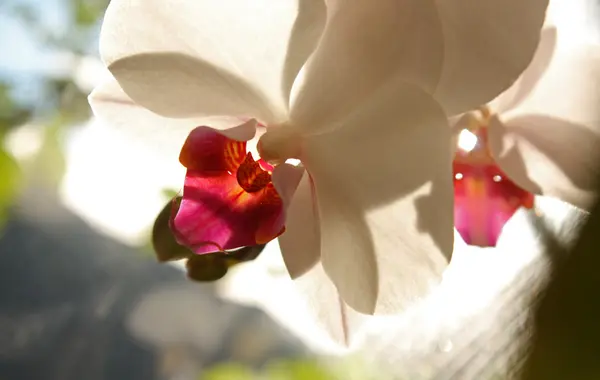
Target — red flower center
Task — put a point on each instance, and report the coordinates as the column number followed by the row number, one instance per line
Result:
column 251, row 176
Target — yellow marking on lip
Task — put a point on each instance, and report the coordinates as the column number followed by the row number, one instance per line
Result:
column 234, row 153
column 238, row 196
column 475, row 187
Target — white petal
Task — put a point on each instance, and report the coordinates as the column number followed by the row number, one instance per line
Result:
column 180, row 86
column 300, row 243
column 488, row 44
column 329, row 310
column 111, row 105
column 548, row 156
column 364, row 45
column 576, row 20
column 550, row 143
column 286, row 179
column 385, row 196
column 568, row 89
column 301, row 251
column 230, row 44
column 519, row 91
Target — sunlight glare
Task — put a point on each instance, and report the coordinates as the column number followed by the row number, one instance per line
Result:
column 467, row 140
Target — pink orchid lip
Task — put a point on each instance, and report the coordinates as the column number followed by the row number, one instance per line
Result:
column 228, row 198
column 484, row 197
column 182, row 239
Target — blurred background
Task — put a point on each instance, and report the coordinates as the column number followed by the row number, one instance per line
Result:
column 83, row 297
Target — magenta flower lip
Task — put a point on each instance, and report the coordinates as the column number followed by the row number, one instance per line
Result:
column 228, row 198
column 484, row 197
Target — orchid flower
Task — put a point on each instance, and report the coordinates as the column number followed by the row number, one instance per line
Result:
column 358, row 91
column 540, row 137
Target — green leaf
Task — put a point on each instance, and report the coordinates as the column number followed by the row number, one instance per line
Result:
column 10, row 183
column 242, row 255
column 206, row 268
column 87, row 12
column 229, row 371
column 11, row 113
column 298, row 370
column 163, row 242
column 169, row 193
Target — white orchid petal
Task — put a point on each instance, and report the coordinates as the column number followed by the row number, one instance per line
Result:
column 112, row 106
column 519, row 91
column 550, row 143
column 180, row 86
column 301, row 252
column 385, row 196
column 548, row 156
column 300, row 242
column 364, row 45
column 576, row 20
column 287, row 178
column 488, row 44
column 568, row 89
column 330, row 311
column 234, row 48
